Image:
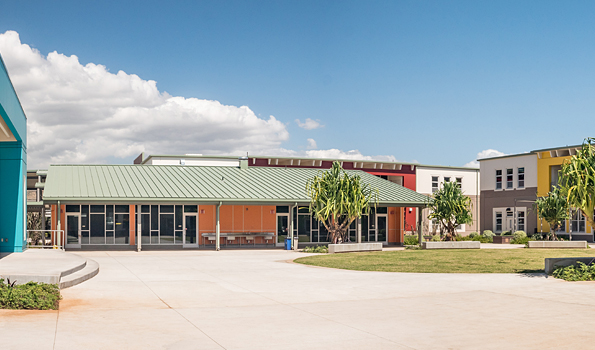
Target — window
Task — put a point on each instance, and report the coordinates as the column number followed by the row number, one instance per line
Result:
column 498, row 222
column 460, row 182
column 521, row 177
column 578, row 221
column 520, row 225
column 446, row 179
column 498, row 179
column 434, row 184
column 554, row 169
column 508, row 178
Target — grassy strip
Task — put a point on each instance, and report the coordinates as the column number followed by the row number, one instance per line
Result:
column 29, row 296
column 446, row 261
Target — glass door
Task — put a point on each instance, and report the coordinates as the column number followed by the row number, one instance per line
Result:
column 381, row 227
column 190, row 238
column 73, row 231
column 282, row 228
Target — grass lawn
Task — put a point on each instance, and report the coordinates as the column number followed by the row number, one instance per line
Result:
column 446, row 261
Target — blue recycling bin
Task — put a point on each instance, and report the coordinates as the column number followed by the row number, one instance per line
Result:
column 287, row 243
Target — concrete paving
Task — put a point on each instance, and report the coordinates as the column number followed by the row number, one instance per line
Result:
column 257, row 300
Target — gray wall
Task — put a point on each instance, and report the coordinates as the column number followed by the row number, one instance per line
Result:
column 499, row 199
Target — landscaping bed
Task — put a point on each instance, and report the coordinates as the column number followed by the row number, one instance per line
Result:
column 445, row 261
column 29, row 296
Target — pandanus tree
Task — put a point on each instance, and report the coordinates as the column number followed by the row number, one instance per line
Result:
column 451, row 208
column 338, row 198
column 577, row 180
column 552, row 208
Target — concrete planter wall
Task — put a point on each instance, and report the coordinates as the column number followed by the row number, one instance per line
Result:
column 502, row 239
column 558, row 244
column 451, row 245
column 354, row 247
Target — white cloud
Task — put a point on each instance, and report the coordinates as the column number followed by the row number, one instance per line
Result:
column 487, row 153
column 309, row 124
column 332, row 153
column 86, row 114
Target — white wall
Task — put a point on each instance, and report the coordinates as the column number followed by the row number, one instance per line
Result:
column 488, row 169
column 423, row 179
column 193, row 161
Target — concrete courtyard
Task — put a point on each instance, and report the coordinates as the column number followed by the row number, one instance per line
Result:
column 257, row 300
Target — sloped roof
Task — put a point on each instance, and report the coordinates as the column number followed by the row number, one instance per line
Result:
column 213, row 184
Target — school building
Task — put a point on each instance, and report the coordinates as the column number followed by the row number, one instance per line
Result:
column 151, row 206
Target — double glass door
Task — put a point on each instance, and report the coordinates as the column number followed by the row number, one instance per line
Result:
column 377, row 229
column 190, row 238
column 73, row 231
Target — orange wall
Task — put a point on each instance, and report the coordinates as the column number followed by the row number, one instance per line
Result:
column 395, row 225
column 237, row 218
column 132, row 224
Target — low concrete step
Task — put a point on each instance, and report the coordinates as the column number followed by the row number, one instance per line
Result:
column 89, row 271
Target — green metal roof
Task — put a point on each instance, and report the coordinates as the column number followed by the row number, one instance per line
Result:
column 210, row 184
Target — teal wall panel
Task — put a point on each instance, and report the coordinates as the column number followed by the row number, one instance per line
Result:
column 10, row 107
column 13, row 211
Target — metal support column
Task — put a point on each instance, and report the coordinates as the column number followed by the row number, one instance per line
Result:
column 139, row 243
column 217, row 230
column 58, row 227
column 419, row 225
column 359, row 230
column 296, row 239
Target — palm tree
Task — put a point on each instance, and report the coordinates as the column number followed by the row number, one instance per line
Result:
column 337, row 198
column 451, row 208
column 552, row 208
column 577, row 180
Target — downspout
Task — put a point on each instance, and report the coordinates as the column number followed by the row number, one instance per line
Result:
column 217, row 229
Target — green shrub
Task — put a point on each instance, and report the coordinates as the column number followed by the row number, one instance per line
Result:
column 506, row 233
column 488, row 234
column 436, row 238
column 578, row 272
column 459, row 238
column 316, row 249
column 483, row 239
column 473, row 234
column 411, row 240
column 537, row 237
column 29, row 296
column 519, row 235
column 521, row 240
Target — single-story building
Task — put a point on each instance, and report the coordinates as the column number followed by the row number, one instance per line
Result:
column 103, row 206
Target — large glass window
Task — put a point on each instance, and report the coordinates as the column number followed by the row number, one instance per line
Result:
column 498, row 179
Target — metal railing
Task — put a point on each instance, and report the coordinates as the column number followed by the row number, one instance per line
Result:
column 43, row 239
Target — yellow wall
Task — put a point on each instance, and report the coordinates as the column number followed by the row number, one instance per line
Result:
column 544, row 162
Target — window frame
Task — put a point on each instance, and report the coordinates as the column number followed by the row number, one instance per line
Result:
column 498, row 177
column 520, row 173
column 437, row 182
column 509, row 175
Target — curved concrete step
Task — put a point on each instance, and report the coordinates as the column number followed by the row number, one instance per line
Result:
column 89, row 271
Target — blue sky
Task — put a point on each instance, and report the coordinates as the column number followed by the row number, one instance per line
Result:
column 435, row 82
